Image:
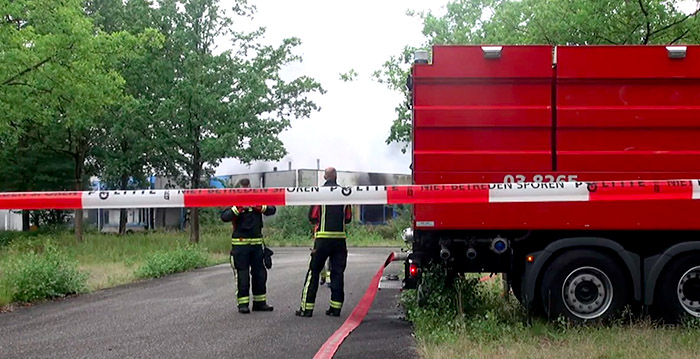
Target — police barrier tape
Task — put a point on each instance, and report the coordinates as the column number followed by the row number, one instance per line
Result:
column 400, row 194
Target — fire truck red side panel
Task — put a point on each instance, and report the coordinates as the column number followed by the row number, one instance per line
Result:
column 621, row 113
column 627, row 108
column 488, row 114
column 579, row 215
column 473, row 114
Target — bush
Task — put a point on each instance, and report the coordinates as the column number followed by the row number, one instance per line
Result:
column 50, row 274
column 290, row 226
column 461, row 297
column 6, row 237
column 464, row 308
column 182, row 259
column 391, row 231
column 374, row 232
column 404, row 217
column 210, row 216
column 290, row 222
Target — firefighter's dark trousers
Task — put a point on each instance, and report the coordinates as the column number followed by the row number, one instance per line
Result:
column 324, row 248
column 247, row 260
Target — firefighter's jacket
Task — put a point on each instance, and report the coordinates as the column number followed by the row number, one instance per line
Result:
column 329, row 221
column 247, row 223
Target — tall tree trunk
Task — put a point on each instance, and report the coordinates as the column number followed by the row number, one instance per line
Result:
column 194, row 225
column 122, row 221
column 25, row 220
column 78, row 224
column 194, row 212
column 78, row 220
column 122, row 211
column 152, row 219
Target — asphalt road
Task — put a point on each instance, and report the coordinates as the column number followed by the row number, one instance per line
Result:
column 193, row 315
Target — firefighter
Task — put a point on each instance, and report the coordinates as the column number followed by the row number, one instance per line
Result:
column 248, row 253
column 329, row 242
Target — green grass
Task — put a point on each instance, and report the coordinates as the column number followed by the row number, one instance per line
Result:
column 107, row 260
column 41, row 275
column 366, row 237
column 173, row 261
column 110, row 260
column 129, row 248
column 289, row 227
column 490, row 325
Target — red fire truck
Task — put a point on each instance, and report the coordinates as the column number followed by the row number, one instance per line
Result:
column 512, row 114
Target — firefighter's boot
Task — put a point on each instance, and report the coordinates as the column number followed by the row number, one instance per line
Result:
column 304, row 313
column 262, row 307
column 333, row 312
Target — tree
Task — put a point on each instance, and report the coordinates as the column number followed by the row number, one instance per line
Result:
column 56, row 73
column 232, row 104
column 124, row 154
column 30, row 166
column 196, row 106
column 349, row 76
column 553, row 22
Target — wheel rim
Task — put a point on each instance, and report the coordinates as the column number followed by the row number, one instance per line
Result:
column 689, row 291
column 587, row 292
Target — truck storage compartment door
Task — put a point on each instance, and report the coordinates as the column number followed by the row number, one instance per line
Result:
column 632, row 109
column 478, row 110
column 480, row 114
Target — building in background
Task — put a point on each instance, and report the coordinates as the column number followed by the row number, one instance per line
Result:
column 367, row 214
column 10, row 220
column 138, row 219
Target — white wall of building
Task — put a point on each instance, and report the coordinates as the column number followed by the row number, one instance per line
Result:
column 10, row 220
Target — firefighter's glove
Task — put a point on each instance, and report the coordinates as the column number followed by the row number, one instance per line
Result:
column 267, row 257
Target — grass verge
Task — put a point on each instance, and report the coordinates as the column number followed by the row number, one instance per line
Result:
column 289, row 227
column 104, row 260
column 173, row 261
column 477, row 321
column 47, row 274
column 38, row 259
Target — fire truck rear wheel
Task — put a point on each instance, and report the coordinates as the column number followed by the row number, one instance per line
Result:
column 678, row 290
column 584, row 285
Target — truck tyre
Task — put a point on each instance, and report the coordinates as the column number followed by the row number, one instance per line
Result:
column 678, row 292
column 584, row 286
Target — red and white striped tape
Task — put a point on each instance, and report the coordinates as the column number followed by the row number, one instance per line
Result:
column 406, row 194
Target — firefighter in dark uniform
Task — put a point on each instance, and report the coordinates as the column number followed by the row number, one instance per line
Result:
column 247, row 253
column 329, row 242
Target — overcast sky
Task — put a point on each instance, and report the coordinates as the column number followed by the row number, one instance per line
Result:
column 349, row 131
